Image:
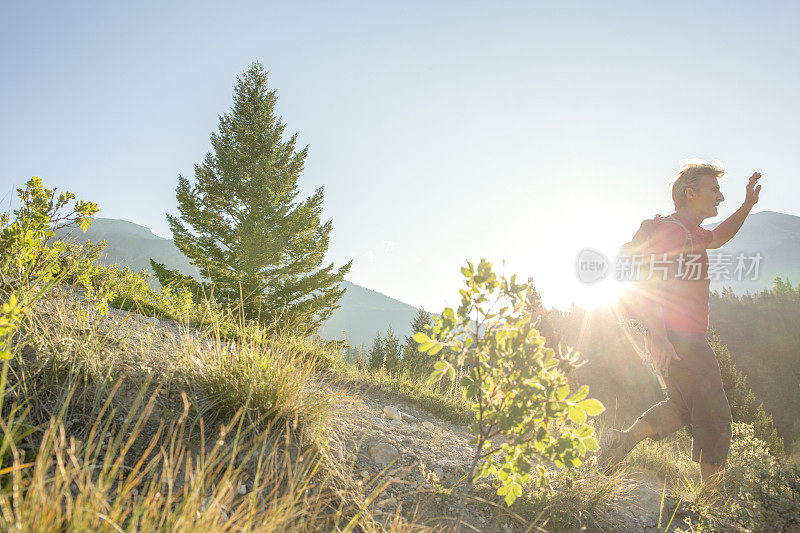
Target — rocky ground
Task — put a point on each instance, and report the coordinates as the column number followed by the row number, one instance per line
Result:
column 419, row 458
column 411, row 460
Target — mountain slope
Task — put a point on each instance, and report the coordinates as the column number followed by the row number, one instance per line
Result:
column 776, row 236
column 362, row 314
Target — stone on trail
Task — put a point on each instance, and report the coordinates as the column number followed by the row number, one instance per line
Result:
column 428, row 425
column 408, row 418
column 383, row 453
column 392, row 413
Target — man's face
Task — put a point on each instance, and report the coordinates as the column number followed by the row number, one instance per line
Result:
column 706, row 197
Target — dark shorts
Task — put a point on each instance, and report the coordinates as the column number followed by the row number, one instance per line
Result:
column 695, row 397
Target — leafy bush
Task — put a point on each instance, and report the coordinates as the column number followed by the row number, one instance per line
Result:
column 28, row 270
column 27, row 263
column 517, row 388
column 749, row 456
column 771, row 502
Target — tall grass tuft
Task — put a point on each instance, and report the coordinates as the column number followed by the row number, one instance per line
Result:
column 268, row 380
column 130, row 477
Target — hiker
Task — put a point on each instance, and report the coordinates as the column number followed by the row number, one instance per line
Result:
column 674, row 311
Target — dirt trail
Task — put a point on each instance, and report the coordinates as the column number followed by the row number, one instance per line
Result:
column 415, row 460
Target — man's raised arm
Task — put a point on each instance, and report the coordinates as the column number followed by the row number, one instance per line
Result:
column 731, row 225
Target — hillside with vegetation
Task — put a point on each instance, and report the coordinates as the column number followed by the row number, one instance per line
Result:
column 125, row 407
column 361, row 314
column 208, row 402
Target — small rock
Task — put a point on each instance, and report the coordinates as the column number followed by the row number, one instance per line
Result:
column 408, row 418
column 396, row 424
column 392, row 413
column 383, row 453
column 242, row 490
column 388, row 502
column 428, row 425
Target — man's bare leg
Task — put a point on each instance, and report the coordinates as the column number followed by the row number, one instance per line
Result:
column 639, row 431
column 615, row 444
column 713, row 476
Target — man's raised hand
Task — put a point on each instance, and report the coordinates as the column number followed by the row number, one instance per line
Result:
column 751, row 193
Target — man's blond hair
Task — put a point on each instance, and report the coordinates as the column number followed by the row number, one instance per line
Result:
column 692, row 170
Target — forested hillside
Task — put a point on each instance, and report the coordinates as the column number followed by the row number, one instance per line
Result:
column 760, row 331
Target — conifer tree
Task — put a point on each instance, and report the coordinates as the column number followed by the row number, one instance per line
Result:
column 745, row 407
column 391, row 348
column 376, row 353
column 417, row 362
column 241, row 223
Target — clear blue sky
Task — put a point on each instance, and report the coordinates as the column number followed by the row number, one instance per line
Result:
column 441, row 130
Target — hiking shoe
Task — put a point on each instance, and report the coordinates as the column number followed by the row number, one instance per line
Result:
column 614, row 446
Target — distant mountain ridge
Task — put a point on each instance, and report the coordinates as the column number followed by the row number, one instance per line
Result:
column 776, row 236
column 362, row 314
column 365, row 312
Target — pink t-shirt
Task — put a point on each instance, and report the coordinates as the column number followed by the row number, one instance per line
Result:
column 684, row 294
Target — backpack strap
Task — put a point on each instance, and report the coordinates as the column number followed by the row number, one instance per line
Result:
column 672, row 219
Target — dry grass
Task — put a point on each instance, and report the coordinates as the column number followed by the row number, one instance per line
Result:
column 669, row 458
column 445, row 400
column 120, row 479
column 129, row 428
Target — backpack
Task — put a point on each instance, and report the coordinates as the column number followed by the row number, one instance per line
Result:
column 634, row 299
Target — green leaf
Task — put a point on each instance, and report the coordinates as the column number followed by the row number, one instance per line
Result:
column 421, row 338
column 513, row 492
column 576, row 414
column 435, row 376
column 581, row 448
column 592, row 407
column 580, row 394
column 436, row 349
column 562, row 391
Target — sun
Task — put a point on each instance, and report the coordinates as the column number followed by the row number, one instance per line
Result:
column 600, row 294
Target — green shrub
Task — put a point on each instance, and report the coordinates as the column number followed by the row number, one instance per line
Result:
column 749, row 456
column 771, row 502
column 27, row 260
column 518, row 389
